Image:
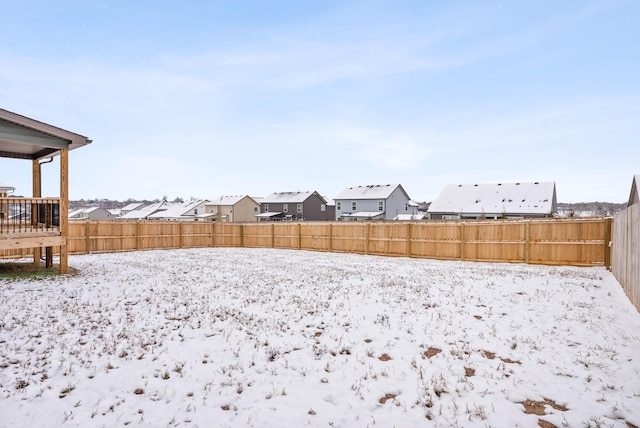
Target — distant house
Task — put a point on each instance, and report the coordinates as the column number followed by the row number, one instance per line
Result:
column 308, row 206
column 91, row 213
column 493, row 201
column 4, row 192
column 5, row 189
column 231, row 209
column 374, row 202
column 187, row 211
column 634, row 197
column 130, row 207
column 144, row 212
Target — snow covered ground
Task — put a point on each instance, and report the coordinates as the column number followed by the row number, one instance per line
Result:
column 278, row 338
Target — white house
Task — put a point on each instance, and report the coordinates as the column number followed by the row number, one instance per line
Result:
column 5, row 189
column 373, row 202
column 91, row 213
column 186, row 211
column 495, row 200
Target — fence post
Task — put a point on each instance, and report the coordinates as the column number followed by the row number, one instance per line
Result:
column 87, row 238
column 273, row 232
column 408, row 239
column 213, row 234
column 607, row 242
column 138, row 235
column 241, row 236
column 368, row 238
column 180, row 233
column 461, row 241
column 299, row 237
column 330, row 237
column 527, row 240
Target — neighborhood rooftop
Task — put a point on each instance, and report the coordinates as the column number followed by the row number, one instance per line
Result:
column 373, row 191
column 497, row 198
column 286, row 197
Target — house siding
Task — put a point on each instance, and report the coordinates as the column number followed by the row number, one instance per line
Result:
column 243, row 211
column 311, row 208
column 396, row 203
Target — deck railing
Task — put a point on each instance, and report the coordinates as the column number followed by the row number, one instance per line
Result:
column 28, row 215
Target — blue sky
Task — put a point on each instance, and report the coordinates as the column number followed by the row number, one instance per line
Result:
column 211, row 98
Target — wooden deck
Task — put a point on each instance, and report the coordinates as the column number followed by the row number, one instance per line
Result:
column 15, row 241
column 30, row 223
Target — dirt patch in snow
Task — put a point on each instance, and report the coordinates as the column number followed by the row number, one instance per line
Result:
column 431, row 352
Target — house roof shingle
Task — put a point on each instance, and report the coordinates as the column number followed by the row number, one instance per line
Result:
column 373, row 191
column 227, row 200
column 498, row 198
column 286, row 197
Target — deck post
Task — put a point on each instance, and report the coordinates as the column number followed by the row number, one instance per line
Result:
column 64, row 209
column 36, row 191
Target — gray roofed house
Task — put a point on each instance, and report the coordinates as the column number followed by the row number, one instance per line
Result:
column 495, row 200
column 307, row 206
column 374, row 202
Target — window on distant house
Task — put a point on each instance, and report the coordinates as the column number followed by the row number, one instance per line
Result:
column 339, row 206
column 406, row 206
column 255, row 209
column 266, row 208
column 323, row 207
column 195, row 211
column 354, row 206
column 380, row 205
column 299, row 208
column 285, row 208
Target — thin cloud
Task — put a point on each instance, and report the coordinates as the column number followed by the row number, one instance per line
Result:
column 387, row 150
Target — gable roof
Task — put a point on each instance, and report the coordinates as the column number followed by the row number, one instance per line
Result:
column 228, row 200
column 288, row 197
column 498, row 198
column 634, row 197
column 146, row 211
column 76, row 212
column 373, row 191
column 132, row 206
column 179, row 210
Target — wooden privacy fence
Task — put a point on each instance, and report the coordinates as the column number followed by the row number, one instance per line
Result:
column 583, row 242
column 558, row 242
column 625, row 257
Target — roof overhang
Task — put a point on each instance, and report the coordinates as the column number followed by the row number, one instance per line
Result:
column 367, row 214
column 25, row 138
column 267, row 214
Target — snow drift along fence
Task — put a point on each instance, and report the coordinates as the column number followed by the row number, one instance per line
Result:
column 625, row 259
column 581, row 242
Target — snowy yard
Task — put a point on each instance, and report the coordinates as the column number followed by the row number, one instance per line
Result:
column 277, row 338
